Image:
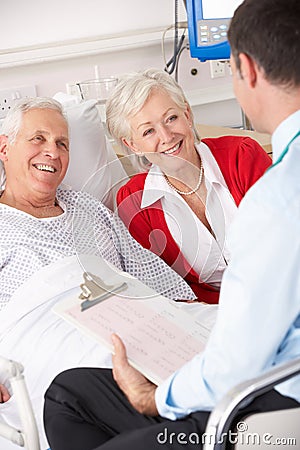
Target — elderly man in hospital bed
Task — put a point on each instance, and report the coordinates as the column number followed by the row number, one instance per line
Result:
column 49, row 237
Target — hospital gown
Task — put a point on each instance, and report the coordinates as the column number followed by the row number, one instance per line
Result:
column 86, row 227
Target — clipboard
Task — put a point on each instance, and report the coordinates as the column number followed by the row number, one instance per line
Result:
column 159, row 334
column 94, row 290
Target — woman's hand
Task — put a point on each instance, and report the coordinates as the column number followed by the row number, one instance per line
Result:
column 4, row 394
column 139, row 391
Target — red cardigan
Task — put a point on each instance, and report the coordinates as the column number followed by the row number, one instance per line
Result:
column 241, row 160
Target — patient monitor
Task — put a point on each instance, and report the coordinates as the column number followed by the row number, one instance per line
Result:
column 208, row 22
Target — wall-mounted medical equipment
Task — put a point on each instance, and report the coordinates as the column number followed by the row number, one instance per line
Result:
column 208, row 22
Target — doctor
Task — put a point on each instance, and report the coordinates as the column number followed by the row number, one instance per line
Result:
column 258, row 324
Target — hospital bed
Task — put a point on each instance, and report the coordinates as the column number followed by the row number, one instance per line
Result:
column 222, row 419
column 27, row 436
column 94, row 168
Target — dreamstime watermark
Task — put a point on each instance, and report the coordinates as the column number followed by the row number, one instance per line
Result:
column 240, row 436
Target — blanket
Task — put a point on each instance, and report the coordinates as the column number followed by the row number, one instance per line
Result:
column 45, row 344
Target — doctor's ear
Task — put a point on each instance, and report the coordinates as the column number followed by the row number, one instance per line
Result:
column 248, row 69
column 3, row 147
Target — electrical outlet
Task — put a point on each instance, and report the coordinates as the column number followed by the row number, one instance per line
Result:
column 9, row 96
column 217, row 68
column 229, row 67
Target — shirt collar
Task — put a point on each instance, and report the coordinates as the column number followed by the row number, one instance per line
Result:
column 156, row 187
column 284, row 133
column 211, row 168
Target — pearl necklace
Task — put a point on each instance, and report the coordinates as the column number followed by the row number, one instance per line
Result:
column 189, row 192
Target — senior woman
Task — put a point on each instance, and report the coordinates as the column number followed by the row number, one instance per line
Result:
column 45, row 232
column 186, row 197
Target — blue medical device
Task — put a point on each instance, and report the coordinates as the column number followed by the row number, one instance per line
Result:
column 208, row 22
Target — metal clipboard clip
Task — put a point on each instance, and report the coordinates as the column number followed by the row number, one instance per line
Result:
column 94, row 290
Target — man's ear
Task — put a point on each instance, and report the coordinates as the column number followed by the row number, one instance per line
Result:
column 131, row 146
column 248, row 69
column 3, row 147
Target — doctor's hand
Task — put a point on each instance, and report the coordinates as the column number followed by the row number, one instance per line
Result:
column 139, row 391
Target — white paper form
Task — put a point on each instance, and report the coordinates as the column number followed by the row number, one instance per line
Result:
column 159, row 334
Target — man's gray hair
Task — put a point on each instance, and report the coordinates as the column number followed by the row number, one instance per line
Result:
column 128, row 98
column 12, row 122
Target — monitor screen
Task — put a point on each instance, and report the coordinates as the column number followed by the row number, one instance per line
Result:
column 216, row 9
column 208, row 22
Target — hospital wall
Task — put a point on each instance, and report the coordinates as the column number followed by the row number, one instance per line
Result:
column 53, row 45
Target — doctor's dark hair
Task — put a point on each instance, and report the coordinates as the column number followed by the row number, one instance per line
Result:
column 13, row 121
column 269, row 32
column 128, row 98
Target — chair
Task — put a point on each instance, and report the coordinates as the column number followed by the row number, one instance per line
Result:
column 28, row 436
column 223, row 416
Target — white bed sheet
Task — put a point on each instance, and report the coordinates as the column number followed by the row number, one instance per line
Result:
column 32, row 334
column 45, row 344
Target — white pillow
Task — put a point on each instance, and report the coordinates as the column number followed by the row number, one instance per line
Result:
column 94, row 166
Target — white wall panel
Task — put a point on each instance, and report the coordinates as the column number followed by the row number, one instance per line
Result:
column 38, row 22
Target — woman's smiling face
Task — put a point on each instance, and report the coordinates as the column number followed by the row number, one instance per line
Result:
column 162, row 131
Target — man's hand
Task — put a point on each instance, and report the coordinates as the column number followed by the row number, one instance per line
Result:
column 139, row 391
column 4, row 394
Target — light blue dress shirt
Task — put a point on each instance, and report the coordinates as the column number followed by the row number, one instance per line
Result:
column 258, row 323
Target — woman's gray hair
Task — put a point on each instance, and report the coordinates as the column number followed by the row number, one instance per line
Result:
column 13, row 121
column 128, row 98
